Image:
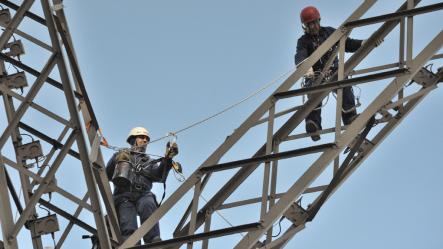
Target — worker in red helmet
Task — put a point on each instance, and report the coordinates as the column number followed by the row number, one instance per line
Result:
column 314, row 35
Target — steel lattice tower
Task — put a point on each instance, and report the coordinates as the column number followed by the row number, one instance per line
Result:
column 81, row 138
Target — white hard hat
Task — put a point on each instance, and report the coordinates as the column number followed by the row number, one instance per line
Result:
column 137, row 131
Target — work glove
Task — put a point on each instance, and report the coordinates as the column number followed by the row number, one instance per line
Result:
column 171, row 150
column 123, row 155
column 309, row 73
column 177, row 167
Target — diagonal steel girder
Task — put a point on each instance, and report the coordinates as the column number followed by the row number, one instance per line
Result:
column 352, row 62
column 243, row 173
column 15, row 21
column 356, row 162
column 343, row 140
column 377, row 140
column 239, row 132
column 46, row 180
column 28, row 99
column 76, row 120
column 6, row 215
column 91, row 121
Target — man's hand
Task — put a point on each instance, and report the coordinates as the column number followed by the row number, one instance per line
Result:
column 171, row 150
column 309, row 73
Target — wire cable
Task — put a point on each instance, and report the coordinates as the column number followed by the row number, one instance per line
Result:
column 219, row 214
column 24, row 134
column 261, row 89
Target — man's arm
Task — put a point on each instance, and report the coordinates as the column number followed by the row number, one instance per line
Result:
column 352, row 45
column 110, row 166
column 157, row 171
column 301, row 53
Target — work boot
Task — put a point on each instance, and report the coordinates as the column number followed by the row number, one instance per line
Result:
column 312, row 129
column 349, row 117
column 156, row 239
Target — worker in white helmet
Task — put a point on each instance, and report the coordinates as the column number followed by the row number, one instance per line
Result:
column 133, row 172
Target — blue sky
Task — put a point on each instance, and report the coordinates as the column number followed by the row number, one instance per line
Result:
column 167, row 64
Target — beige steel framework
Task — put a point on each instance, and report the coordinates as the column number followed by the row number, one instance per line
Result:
column 375, row 122
column 79, row 138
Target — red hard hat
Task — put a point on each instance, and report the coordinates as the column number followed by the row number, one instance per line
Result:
column 309, row 14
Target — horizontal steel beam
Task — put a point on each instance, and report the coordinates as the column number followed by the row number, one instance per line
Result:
column 14, row 22
column 437, row 56
column 71, row 218
column 271, row 157
column 52, row 141
column 373, row 69
column 34, row 105
column 340, row 84
column 37, row 178
column 259, row 199
column 278, row 114
column 13, row 121
column 27, row 13
column 201, row 236
column 284, row 131
column 396, row 15
column 67, row 216
column 30, row 38
column 36, row 73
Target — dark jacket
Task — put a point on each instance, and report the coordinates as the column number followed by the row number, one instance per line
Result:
column 145, row 171
column 307, row 44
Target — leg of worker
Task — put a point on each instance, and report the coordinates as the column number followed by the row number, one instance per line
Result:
column 315, row 116
column 348, row 105
column 313, row 120
column 127, row 217
column 146, row 205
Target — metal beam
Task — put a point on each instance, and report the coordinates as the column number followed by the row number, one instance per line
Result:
column 320, row 164
column 239, row 132
column 90, row 121
column 376, row 68
column 27, row 13
column 13, row 192
column 42, row 188
column 81, row 141
column 275, row 197
column 30, row 38
column 278, row 114
column 51, row 141
column 37, row 107
column 340, row 84
column 28, row 99
column 377, row 140
column 35, row 73
column 7, row 223
column 271, row 157
column 200, row 236
column 71, row 218
column 396, row 15
column 15, row 21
